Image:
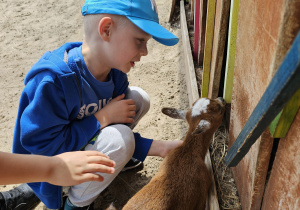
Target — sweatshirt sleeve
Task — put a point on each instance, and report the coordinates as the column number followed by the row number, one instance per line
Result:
column 142, row 146
column 45, row 124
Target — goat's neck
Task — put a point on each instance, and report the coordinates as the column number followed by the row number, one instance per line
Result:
column 198, row 143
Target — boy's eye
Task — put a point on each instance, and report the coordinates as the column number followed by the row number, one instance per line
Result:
column 140, row 41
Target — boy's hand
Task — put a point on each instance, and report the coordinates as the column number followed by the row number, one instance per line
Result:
column 73, row 168
column 116, row 111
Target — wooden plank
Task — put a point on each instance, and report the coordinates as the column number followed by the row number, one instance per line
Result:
column 192, row 7
column 282, row 87
column 188, row 59
column 172, row 10
column 196, row 29
column 282, row 190
column 202, row 28
column 233, row 22
column 211, row 8
column 282, row 123
column 193, row 96
column 259, row 176
column 219, row 42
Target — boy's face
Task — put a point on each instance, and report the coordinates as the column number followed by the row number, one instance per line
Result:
column 128, row 44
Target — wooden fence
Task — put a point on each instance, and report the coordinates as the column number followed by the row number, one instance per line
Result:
column 250, row 53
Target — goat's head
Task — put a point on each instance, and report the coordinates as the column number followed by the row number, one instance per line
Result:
column 205, row 114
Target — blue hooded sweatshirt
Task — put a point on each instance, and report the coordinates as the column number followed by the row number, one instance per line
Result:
column 56, row 110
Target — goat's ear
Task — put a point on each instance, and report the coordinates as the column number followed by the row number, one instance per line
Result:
column 174, row 113
column 203, row 126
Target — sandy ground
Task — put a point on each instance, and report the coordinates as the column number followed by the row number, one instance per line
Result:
column 29, row 28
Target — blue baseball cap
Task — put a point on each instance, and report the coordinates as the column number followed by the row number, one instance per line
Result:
column 143, row 13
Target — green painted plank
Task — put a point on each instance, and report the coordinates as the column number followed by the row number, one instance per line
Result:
column 229, row 69
column 282, row 123
column 284, row 84
column 210, row 24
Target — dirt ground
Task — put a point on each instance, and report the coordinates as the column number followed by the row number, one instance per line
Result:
column 29, row 28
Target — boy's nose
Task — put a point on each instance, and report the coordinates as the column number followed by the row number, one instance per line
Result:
column 144, row 51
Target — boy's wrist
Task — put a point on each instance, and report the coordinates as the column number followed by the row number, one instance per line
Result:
column 157, row 148
column 50, row 171
column 102, row 118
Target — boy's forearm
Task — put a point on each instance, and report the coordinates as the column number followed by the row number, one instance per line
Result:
column 156, row 148
column 16, row 168
column 162, row 148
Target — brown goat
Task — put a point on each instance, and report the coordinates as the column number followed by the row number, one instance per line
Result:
column 183, row 180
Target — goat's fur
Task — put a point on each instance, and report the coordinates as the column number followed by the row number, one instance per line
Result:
column 183, row 180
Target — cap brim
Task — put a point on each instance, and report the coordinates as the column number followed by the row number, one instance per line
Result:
column 158, row 32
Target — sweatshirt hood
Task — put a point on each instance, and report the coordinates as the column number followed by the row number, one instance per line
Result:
column 52, row 61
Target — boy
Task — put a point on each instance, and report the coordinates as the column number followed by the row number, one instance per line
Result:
column 77, row 97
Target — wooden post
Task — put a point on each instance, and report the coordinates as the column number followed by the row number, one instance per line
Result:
column 219, row 42
column 196, row 29
column 192, row 6
column 172, row 10
column 211, row 8
column 233, row 22
column 202, row 28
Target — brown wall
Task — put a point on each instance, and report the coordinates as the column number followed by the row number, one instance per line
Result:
column 257, row 38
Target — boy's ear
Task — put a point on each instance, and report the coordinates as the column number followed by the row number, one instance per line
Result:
column 104, row 28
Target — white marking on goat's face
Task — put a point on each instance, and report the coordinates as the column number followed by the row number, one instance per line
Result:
column 200, row 107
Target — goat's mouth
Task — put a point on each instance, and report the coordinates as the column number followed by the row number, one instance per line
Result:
column 221, row 101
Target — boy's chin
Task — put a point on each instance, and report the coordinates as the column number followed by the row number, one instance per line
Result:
column 124, row 70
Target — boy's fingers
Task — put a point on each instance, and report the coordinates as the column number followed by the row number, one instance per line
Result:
column 92, row 177
column 131, row 114
column 95, row 153
column 132, row 107
column 101, row 160
column 129, row 120
column 130, row 102
column 93, row 168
